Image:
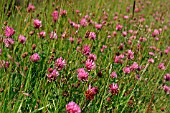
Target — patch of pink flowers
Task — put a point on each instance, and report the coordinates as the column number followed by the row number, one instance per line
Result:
column 37, row 23
column 114, row 88
column 167, row 77
column 53, row 75
column 8, row 42
column 60, row 63
column 126, row 70
column 72, row 107
column 9, row 31
column 90, row 64
column 30, row 8
column 113, row 75
column 35, row 57
column 21, row 39
column 82, row 74
column 161, row 66
column 166, row 89
column 55, row 16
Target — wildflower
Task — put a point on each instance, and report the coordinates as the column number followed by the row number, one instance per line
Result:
column 124, row 33
column 55, row 16
column 114, row 34
column 71, row 39
column 9, row 31
column 119, row 27
column 35, row 57
column 8, row 41
column 37, row 23
column 103, row 47
column 167, row 77
column 90, row 64
column 63, row 12
column 30, row 8
column 126, row 70
column 91, row 92
column 114, row 88
column 155, row 33
column 98, row 26
column 82, row 74
column 53, row 75
column 22, row 39
column 72, row 107
column 60, row 63
column 167, row 50
column 130, row 54
column 92, row 35
column 0, row 51
column 86, row 50
column 53, row 35
column 134, row 66
column 83, row 22
column 125, row 17
column 151, row 60
column 42, row 34
column 92, row 57
column 161, row 66
column 151, row 53
column 113, row 75
column 166, row 89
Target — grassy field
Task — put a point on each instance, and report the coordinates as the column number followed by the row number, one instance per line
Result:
column 88, row 56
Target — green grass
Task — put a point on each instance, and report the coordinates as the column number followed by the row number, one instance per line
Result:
column 29, row 90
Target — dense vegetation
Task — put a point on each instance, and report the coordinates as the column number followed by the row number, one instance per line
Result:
column 90, row 56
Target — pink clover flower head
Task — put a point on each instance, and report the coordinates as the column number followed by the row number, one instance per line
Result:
column 60, row 63
column 151, row 53
column 53, row 75
column 42, row 34
column 63, row 12
column 0, row 51
column 167, row 50
column 113, row 75
column 91, row 92
column 8, row 42
column 155, row 33
column 166, row 89
column 151, row 60
column 124, row 33
column 98, row 26
column 30, row 8
column 134, row 66
column 35, row 57
column 82, row 74
column 22, row 39
column 92, row 35
column 53, row 35
column 90, row 64
column 72, row 107
column 126, row 70
column 161, row 66
column 114, row 88
column 86, row 50
column 83, row 22
column 71, row 39
column 119, row 27
column 167, row 77
column 37, row 23
column 55, row 16
column 9, row 31
column 130, row 54
column 92, row 57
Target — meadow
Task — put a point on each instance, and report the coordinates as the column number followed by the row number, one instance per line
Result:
column 85, row 56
